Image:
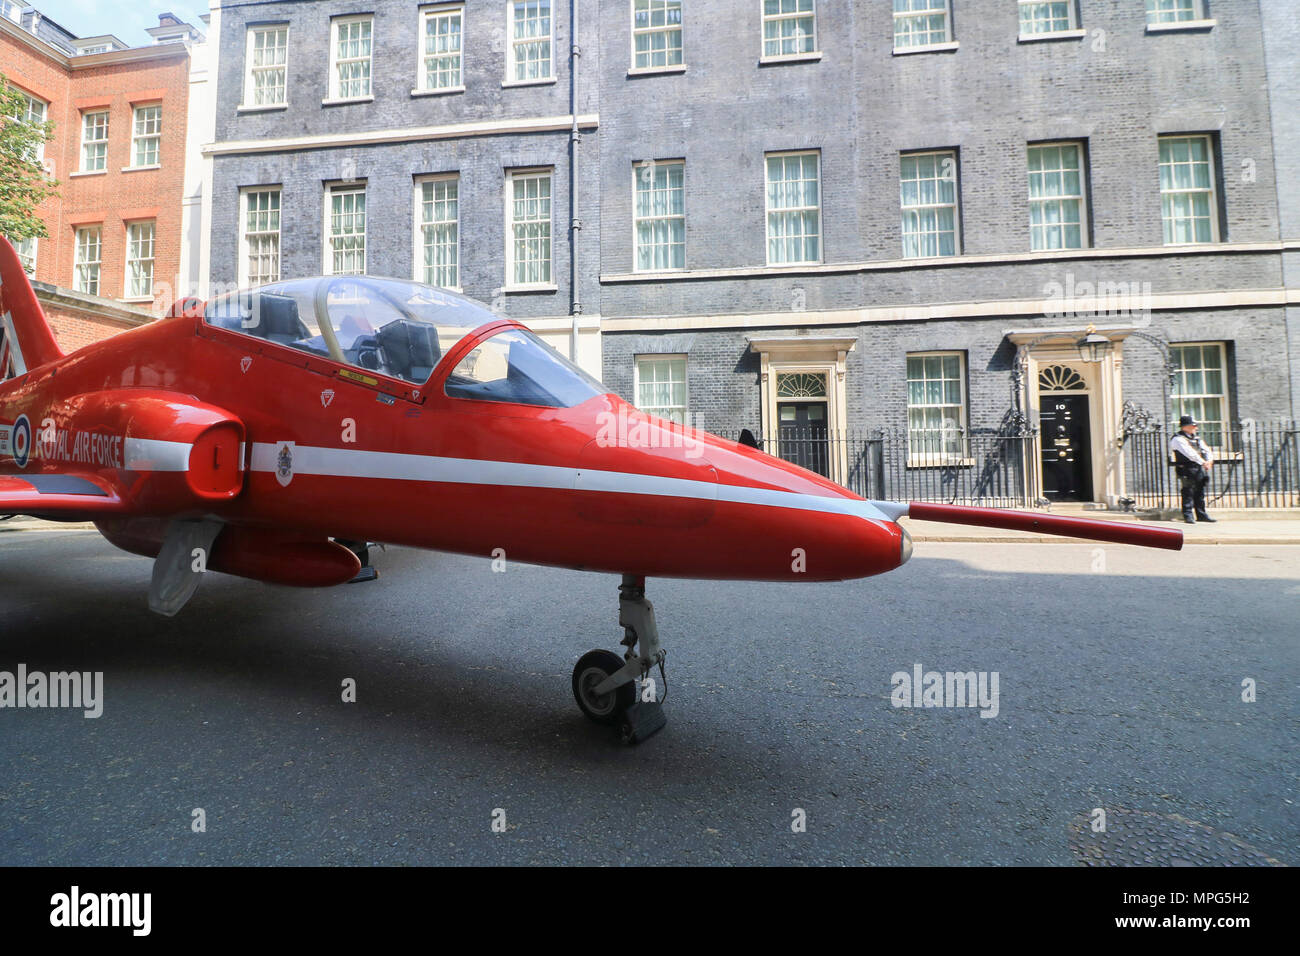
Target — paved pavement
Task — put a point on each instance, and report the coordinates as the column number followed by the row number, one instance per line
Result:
column 1120, row 674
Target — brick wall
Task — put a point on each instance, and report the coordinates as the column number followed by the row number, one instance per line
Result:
column 79, row 320
column 75, row 328
column 723, row 374
column 116, row 197
column 860, row 106
column 1281, row 39
column 1115, row 90
column 389, row 174
column 389, row 170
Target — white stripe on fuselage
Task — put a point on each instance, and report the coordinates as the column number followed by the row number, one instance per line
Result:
column 393, row 466
column 154, row 454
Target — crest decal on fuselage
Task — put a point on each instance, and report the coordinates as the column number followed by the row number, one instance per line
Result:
column 284, row 463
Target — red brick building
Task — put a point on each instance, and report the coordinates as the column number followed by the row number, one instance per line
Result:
column 119, row 117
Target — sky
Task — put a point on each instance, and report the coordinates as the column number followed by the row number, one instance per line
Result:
column 125, row 19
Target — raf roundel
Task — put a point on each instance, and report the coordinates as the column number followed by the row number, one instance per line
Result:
column 21, row 441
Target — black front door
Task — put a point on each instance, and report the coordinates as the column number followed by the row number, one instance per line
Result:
column 803, row 435
column 1067, row 448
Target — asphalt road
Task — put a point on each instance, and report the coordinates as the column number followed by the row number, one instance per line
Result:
column 1120, row 682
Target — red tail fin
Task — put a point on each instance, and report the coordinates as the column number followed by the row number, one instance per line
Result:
column 26, row 341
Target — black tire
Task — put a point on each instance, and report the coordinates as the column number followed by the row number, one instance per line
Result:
column 592, row 668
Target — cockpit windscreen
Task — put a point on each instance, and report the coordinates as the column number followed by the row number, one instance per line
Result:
column 514, row 365
column 396, row 328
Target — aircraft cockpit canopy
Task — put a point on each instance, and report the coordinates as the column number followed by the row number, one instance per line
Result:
column 402, row 329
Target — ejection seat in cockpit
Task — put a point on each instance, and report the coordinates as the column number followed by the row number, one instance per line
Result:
column 410, row 349
column 279, row 320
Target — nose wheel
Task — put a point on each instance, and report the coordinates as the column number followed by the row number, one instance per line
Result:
column 603, row 682
column 593, row 669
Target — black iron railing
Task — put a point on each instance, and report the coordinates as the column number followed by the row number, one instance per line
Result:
column 1257, row 466
column 994, row 470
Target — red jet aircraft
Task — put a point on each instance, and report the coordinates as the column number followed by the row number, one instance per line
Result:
column 271, row 433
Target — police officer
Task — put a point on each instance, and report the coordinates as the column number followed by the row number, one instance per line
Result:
column 1192, row 461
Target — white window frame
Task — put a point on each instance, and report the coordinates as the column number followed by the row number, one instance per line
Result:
column 11, row 10
column 138, row 138
column 439, row 11
column 637, row 220
column 85, row 143
column 27, row 117
column 34, row 249
column 768, row 210
column 332, row 190
column 1072, row 17
column 82, row 268
column 1082, row 197
column 512, row 176
column 246, row 276
column 924, row 459
column 765, row 18
column 335, row 87
column 250, row 69
column 128, row 292
column 1212, row 190
column 1225, row 396
column 418, row 273
column 512, row 42
column 636, row 31
column 956, row 202
column 666, row 358
column 1195, row 13
column 936, row 7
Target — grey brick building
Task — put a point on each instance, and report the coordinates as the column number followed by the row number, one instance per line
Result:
column 319, row 100
column 831, row 216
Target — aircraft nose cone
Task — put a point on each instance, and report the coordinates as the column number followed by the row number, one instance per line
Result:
column 905, row 547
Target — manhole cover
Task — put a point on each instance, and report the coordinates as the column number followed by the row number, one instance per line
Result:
column 1142, row 838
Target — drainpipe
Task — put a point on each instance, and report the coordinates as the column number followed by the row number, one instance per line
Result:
column 575, row 137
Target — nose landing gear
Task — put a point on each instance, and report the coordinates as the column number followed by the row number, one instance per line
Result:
column 362, row 550
column 603, row 685
column 592, row 669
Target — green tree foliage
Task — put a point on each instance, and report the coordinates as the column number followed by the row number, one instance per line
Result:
column 23, row 183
